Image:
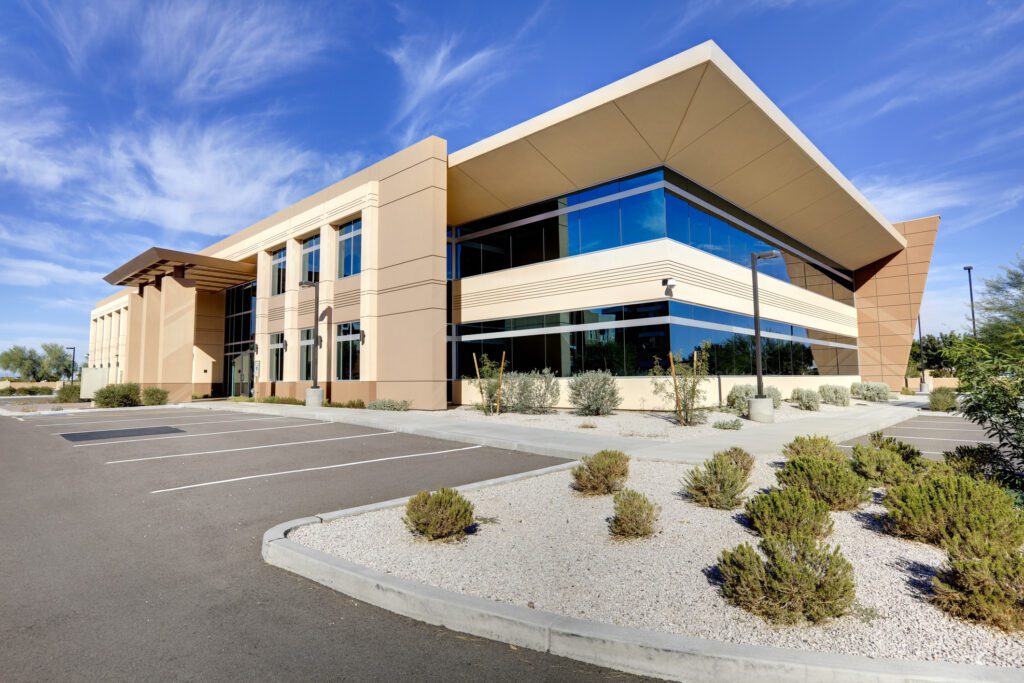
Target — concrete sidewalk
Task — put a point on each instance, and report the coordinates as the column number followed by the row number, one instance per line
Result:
column 765, row 440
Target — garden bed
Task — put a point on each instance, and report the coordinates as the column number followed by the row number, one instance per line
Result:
column 541, row 545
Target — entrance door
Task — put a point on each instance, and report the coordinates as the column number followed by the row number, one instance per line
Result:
column 241, row 374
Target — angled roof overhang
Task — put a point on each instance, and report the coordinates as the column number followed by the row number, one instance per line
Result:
column 205, row 272
column 698, row 114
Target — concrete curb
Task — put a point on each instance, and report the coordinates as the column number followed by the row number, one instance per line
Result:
column 90, row 411
column 663, row 655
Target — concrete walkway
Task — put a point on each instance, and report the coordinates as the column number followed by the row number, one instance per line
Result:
column 765, row 440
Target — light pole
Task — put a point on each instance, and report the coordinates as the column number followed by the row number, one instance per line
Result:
column 970, row 287
column 761, row 409
column 315, row 395
column 72, row 362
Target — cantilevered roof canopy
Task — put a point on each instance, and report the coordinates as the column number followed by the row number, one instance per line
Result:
column 208, row 273
column 699, row 114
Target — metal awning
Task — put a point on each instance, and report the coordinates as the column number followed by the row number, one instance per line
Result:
column 206, row 272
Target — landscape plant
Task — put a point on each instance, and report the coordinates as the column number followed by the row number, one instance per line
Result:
column 118, row 396
column 911, row 454
column 634, row 515
column 790, row 511
column 685, row 391
column 880, row 466
column 442, row 515
column 834, row 395
column 718, row 482
column 388, row 404
column 69, row 393
column 983, row 461
column 279, row 400
column 735, row 423
column 354, row 403
column 739, row 457
column 529, row 392
column 594, row 393
column 799, row 579
column 870, row 391
column 806, row 399
column 738, row 398
column 834, row 483
column 602, row 473
column 942, row 399
column 154, row 396
column 982, row 582
column 490, row 374
column 814, row 445
column 942, row 507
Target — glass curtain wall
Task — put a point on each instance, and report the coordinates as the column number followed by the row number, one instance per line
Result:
column 347, row 351
column 239, row 335
column 276, row 357
column 278, row 271
column 306, row 354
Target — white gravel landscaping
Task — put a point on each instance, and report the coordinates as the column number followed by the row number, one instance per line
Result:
column 655, row 425
column 542, row 545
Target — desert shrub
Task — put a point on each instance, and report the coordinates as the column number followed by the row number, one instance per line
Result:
column 983, row 461
column 69, row 393
column 834, row 483
column 601, row 473
column 806, row 399
column 718, row 482
column 775, row 395
column 529, row 392
column 880, row 466
column 33, row 391
column 789, row 512
column 154, row 396
column 354, row 403
column 735, row 423
column 907, row 391
column 388, row 404
column 118, row 396
column 594, row 393
column 634, row 515
column 910, row 454
column 490, row 372
column 738, row 397
column 942, row 399
column 982, row 582
column 281, row 400
column 942, row 507
column 798, row 580
column 740, row 458
column 685, row 392
column 444, row 514
column 7, row 391
column 814, row 445
column 870, row 391
column 834, row 395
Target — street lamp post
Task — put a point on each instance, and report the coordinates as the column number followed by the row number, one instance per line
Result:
column 72, row 362
column 315, row 395
column 761, row 409
column 970, row 288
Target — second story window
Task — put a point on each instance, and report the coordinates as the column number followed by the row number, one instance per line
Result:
column 350, row 244
column 277, row 271
column 311, row 259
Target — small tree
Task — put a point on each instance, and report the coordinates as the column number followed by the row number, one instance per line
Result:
column 55, row 363
column 685, row 390
column 490, row 372
column 23, row 362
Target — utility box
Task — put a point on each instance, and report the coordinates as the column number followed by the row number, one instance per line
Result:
column 92, row 380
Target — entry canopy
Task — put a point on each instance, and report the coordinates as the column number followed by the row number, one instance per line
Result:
column 206, row 272
column 698, row 114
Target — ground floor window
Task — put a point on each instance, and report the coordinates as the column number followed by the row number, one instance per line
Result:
column 347, row 351
column 276, row 357
column 306, row 351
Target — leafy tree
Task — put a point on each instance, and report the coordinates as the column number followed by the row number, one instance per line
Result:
column 23, row 362
column 56, row 363
column 1001, row 311
column 931, row 350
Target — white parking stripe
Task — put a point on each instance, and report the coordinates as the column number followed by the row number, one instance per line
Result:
column 191, row 436
column 181, row 424
column 314, row 469
column 245, row 448
column 939, row 429
column 941, row 421
column 936, row 438
column 69, row 423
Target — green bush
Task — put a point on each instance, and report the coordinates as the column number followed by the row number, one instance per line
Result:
column 880, row 466
column 529, row 392
column 738, row 397
column 816, row 446
column 355, row 403
column 717, row 483
column 775, row 395
column 981, row 460
column 942, row 507
column 7, row 391
column 907, row 391
column 789, row 512
column 388, row 404
column 910, row 454
column 735, row 423
column 806, row 399
column 942, row 399
column 799, row 580
column 834, row 483
column 281, row 400
column 634, row 515
column 870, row 391
column 33, row 391
column 834, row 395
column 739, row 457
column 69, row 393
column 118, row 396
column 444, row 514
column 982, row 582
column 601, row 473
column 594, row 393
column 154, row 396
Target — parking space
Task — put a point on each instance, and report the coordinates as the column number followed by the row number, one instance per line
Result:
column 143, row 528
column 933, row 434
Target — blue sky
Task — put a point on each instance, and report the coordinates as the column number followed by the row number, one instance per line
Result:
column 124, row 124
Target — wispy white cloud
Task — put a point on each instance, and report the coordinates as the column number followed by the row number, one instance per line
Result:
column 31, row 125
column 21, row 272
column 694, row 12
column 82, row 28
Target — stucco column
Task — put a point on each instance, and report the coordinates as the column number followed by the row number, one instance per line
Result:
column 293, row 264
column 328, row 278
column 368, row 280
column 262, row 338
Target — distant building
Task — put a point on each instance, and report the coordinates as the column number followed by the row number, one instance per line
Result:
column 553, row 242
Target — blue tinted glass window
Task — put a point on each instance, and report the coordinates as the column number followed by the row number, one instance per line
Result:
column 678, row 218
column 643, row 217
column 641, row 180
column 599, row 227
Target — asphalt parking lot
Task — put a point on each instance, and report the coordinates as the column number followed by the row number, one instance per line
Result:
column 132, row 551
column 933, row 434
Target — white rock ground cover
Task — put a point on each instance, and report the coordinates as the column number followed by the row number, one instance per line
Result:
column 657, row 425
column 544, row 546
